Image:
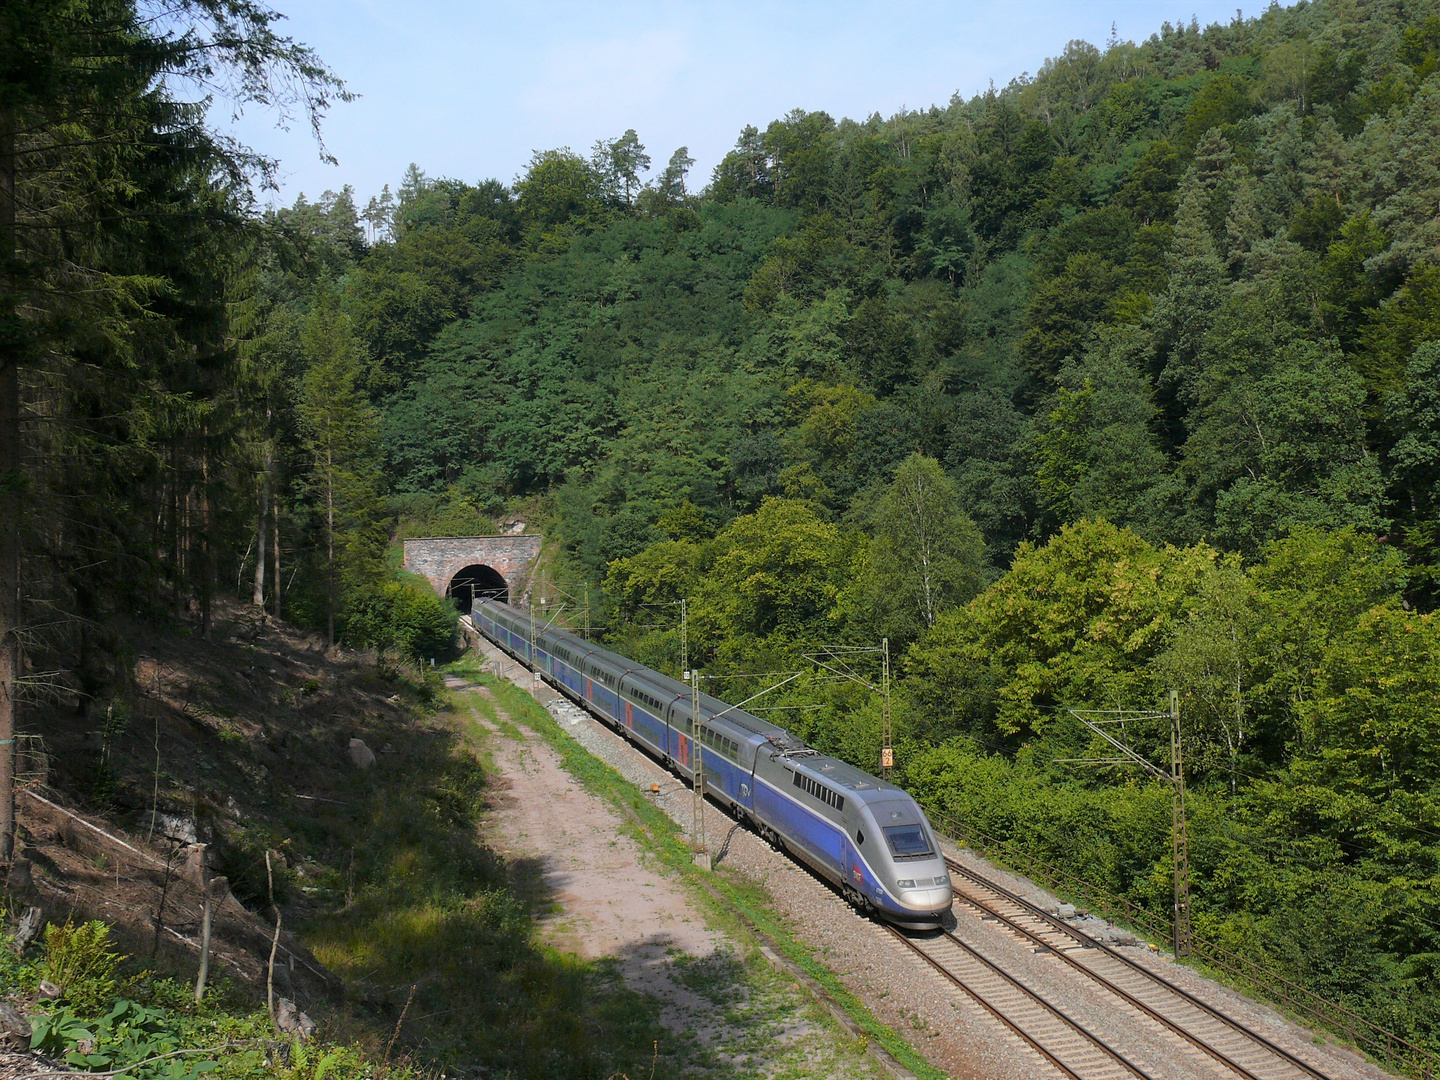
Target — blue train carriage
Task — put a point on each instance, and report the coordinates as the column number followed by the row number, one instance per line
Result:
column 603, row 672
column 644, row 706
column 730, row 738
column 567, row 657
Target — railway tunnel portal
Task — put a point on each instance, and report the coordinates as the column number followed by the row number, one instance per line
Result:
column 471, row 568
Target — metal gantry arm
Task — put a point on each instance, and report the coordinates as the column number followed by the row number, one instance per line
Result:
column 1179, row 838
column 1129, row 757
column 887, row 747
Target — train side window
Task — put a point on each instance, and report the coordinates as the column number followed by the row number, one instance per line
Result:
column 859, row 837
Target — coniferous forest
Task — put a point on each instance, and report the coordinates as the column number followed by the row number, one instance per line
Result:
column 1121, row 379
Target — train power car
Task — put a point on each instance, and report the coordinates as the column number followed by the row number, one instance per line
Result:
column 867, row 837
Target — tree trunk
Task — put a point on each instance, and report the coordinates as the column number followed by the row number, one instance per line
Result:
column 275, row 518
column 175, row 577
column 11, row 485
column 258, row 597
column 330, row 548
column 207, row 561
column 10, row 511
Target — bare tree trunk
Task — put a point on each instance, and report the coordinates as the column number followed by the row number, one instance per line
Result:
column 11, row 485
column 187, row 606
column 274, row 942
column 207, row 561
column 330, row 546
column 175, row 574
column 275, row 518
column 258, row 596
column 205, row 913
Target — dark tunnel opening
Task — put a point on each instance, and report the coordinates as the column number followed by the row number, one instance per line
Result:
column 477, row 582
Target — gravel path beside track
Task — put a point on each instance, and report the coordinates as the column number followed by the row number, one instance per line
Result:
column 940, row 1020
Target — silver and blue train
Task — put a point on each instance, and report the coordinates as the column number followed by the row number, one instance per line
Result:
column 867, row 837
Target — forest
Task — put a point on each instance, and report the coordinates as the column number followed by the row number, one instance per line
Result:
column 1121, row 379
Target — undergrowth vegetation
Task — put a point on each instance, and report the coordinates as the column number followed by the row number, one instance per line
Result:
column 114, row 1015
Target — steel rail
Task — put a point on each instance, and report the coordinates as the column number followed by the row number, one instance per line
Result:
column 999, row 1015
column 1086, row 941
column 1100, row 1043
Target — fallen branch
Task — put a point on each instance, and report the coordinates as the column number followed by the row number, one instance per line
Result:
column 93, row 828
column 385, row 1065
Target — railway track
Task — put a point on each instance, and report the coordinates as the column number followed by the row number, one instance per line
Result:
column 1064, row 1042
column 1236, row 1049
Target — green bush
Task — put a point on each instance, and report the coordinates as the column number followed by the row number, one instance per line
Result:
column 405, row 615
column 79, row 959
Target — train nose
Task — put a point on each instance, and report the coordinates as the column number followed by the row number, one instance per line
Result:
column 933, row 894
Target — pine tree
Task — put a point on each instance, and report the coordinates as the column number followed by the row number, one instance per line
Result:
column 342, row 436
column 108, row 185
column 1196, row 290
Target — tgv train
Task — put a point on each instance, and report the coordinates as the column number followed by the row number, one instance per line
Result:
column 866, row 836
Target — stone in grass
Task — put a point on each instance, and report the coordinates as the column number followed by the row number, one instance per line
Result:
column 290, row 1020
column 1066, row 911
column 361, row 756
column 14, row 1028
column 49, row 990
column 32, row 921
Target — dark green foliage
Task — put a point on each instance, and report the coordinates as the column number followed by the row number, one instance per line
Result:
column 403, row 615
column 847, row 294
column 1304, row 701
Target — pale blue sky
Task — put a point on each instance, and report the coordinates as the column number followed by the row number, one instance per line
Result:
column 468, row 90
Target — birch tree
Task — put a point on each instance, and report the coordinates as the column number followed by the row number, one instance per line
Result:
column 926, row 554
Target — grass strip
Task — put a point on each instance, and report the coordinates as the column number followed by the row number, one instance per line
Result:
column 661, row 836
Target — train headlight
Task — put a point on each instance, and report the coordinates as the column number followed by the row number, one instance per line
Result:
column 905, row 883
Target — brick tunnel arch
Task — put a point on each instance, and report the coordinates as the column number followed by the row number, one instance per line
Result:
column 501, row 565
column 477, row 582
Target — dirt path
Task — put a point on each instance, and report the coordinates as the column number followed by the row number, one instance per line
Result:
column 602, row 901
column 598, row 896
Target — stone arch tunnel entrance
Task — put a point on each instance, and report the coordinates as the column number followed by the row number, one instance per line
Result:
column 477, row 582
column 468, row 568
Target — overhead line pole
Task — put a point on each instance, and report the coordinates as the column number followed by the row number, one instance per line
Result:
column 534, row 664
column 1179, row 839
column 887, row 747
column 697, row 759
column 1175, row 777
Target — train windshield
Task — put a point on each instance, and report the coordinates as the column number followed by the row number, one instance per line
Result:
column 907, row 841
